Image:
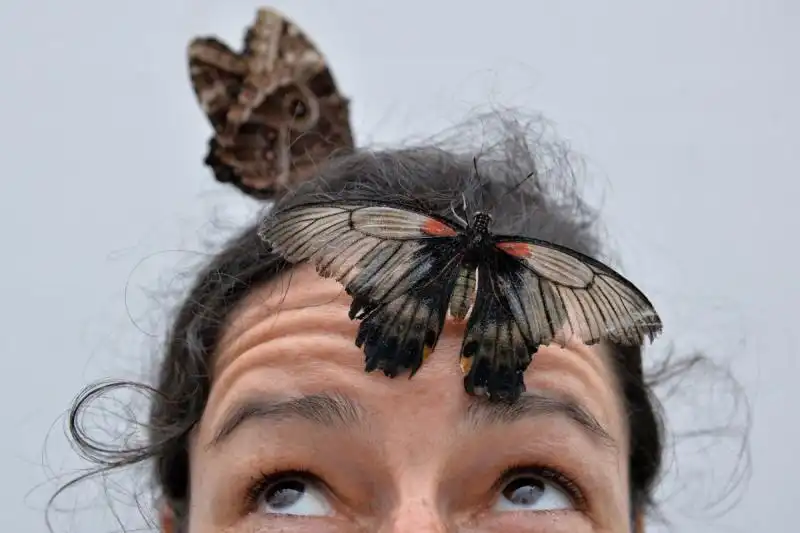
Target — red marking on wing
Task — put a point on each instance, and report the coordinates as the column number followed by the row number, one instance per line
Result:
column 434, row 228
column 517, row 249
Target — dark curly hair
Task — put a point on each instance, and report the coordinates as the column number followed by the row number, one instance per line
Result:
column 547, row 206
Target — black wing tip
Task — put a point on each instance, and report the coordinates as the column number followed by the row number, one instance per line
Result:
column 392, row 358
column 503, row 385
column 389, row 354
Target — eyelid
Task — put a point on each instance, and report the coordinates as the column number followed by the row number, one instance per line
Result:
column 561, row 480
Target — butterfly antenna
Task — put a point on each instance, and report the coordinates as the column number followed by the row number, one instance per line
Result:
column 513, row 190
column 520, row 184
column 478, row 182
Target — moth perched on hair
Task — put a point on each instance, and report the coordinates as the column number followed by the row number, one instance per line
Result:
column 407, row 269
column 275, row 107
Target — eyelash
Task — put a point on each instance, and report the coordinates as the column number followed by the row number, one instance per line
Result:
column 564, row 483
column 266, row 479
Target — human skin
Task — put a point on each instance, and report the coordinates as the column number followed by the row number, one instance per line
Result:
column 399, row 455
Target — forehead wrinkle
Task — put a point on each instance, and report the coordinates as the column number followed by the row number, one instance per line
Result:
column 301, row 302
column 259, row 319
column 594, row 355
column 589, row 363
column 588, row 366
column 295, row 359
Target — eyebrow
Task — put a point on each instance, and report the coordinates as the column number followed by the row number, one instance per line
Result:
column 326, row 409
column 482, row 412
column 338, row 410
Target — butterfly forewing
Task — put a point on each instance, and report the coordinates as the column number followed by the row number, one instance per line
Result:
column 526, row 298
column 399, row 224
column 580, row 296
column 400, row 267
column 550, row 263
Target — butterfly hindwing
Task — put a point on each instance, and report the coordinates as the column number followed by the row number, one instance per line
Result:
column 400, row 334
column 495, row 351
column 571, row 294
column 463, row 294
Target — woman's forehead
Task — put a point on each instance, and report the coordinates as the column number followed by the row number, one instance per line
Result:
column 292, row 336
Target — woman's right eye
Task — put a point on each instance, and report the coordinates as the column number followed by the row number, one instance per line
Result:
column 293, row 496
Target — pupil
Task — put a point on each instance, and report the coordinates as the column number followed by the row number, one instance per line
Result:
column 284, row 494
column 524, row 491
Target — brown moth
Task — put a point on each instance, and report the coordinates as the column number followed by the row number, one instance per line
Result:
column 275, row 107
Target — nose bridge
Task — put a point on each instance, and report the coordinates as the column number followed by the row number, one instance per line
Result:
column 417, row 505
column 417, row 513
column 417, row 448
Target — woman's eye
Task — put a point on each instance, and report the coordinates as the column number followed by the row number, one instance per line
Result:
column 292, row 496
column 531, row 493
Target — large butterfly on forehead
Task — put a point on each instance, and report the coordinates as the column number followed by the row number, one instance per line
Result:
column 275, row 107
column 407, row 269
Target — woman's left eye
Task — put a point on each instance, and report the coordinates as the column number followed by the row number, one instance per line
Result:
column 293, row 496
column 532, row 493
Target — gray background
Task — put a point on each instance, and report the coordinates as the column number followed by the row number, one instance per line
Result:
column 686, row 111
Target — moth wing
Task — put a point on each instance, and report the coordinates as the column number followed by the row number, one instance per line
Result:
column 303, row 102
column 287, row 75
column 398, row 265
column 257, row 163
column 563, row 293
column 216, row 74
column 275, row 107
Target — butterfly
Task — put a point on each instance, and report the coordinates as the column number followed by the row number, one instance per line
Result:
column 407, row 270
column 275, row 107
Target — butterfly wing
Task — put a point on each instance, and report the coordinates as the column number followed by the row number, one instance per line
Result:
column 275, row 107
column 562, row 293
column 532, row 292
column 495, row 351
column 398, row 265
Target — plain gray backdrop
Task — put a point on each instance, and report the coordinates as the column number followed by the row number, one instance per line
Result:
column 686, row 113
